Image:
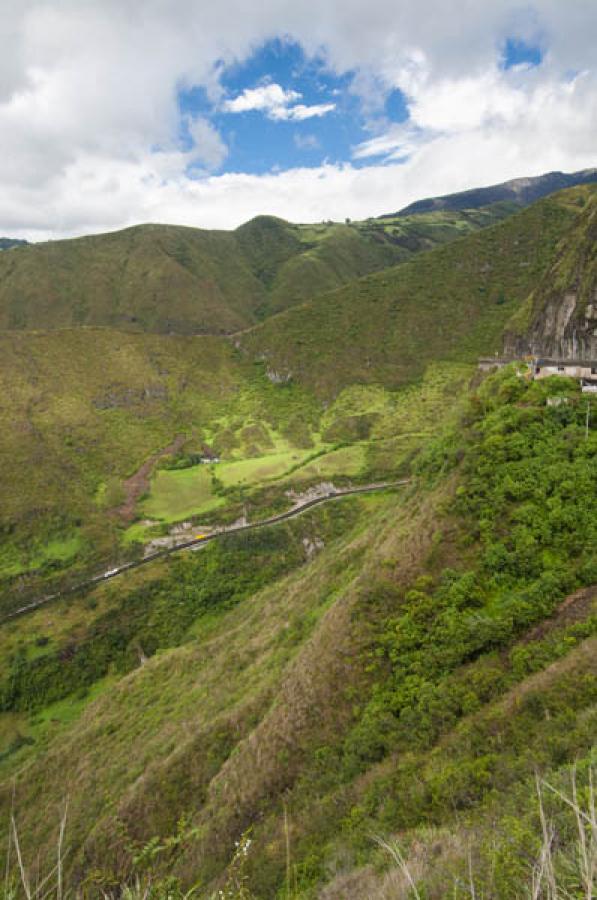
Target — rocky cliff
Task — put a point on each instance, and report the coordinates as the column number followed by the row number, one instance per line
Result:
column 560, row 317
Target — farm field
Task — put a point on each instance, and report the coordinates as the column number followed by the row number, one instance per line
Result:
column 177, row 494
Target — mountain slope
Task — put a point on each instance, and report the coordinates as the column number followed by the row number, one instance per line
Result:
column 81, row 411
column 559, row 318
column 10, row 243
column 88, row 408
column 520, row 191
column 170, row 279
column 411, row 675
column 451, row 303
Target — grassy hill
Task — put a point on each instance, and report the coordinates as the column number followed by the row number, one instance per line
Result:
column 346, row 385
column 170, row 279
column 256, row 717
column 81, row 411
column 408, row 679
column 451, row 303
column 84, row 410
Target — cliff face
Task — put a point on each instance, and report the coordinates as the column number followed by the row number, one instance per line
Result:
column 560, row 317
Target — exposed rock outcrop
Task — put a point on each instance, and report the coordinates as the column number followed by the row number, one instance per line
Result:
column 560, row 319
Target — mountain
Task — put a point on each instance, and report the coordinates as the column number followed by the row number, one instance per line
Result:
column 260, row 708
column 559, row 319
column 10, row 243
column 170, row 279
column 88, row 406
column 402, row 679
column 519, row 191
column 451, row 303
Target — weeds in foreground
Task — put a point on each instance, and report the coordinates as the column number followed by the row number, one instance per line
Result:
column 559, row 871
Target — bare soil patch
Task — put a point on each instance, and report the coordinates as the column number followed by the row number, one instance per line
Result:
column 135, row 486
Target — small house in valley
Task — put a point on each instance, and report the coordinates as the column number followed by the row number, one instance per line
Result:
column 583, row 370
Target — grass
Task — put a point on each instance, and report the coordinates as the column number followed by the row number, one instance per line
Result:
column 175, row 495
column 256, row 471
column 387, row 684
column 347, row 461
column 450, row 305
column 397, row 422
column 84, row 407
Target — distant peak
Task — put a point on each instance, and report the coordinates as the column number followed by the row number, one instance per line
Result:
column 522, row 191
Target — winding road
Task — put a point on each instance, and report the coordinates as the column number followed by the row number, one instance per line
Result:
column 196, row 542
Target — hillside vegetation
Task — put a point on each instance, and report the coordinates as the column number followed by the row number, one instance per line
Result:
column 389, row 695
column 84, row 410
column 323, row 390
column 171, row 279
column 559, row 318
column 449, row 304
column 406, row 679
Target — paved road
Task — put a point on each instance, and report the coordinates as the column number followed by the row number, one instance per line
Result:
column 195, row 542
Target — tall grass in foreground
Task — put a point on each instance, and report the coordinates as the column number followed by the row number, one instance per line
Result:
column 560, row 870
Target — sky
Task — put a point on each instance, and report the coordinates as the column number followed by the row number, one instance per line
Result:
column 116, row 112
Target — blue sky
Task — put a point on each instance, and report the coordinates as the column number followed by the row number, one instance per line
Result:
column 208, row 114
column 258, row 143
column 518, row 52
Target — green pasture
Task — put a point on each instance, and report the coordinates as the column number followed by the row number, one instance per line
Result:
column 176, row 494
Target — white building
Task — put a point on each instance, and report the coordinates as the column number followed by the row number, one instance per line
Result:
column 572, row 368
column 583, row 369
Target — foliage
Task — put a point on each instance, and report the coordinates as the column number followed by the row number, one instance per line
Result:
column 527, row 502
column 450, row 304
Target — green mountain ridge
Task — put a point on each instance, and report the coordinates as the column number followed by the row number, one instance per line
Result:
column 174, row 279
column 386, row 680
column 452, row 303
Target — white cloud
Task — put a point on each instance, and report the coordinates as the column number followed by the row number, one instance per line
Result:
column 397, row 142
column 300, row 112
column 208, row 147
column 277, row 103
column 266, row 98
column 90, row 124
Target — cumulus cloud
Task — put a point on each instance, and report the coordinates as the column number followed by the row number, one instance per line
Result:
column 267, row 98
column 277, row 103
column 90, row 123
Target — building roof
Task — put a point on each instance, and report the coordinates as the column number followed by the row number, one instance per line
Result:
column 584, row 363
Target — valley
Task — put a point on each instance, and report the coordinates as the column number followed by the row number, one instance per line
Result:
column 388, row 628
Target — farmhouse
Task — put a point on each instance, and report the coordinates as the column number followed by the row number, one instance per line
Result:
column 584, row 370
